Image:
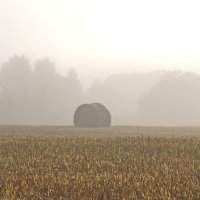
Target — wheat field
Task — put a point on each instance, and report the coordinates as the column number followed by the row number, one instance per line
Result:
column 112, row 163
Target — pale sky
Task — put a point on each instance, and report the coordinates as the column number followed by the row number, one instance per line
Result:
column 104, row 36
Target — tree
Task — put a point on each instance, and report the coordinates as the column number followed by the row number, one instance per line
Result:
column 15, row 73
column 38, row 96
column 174, row 100
column 15, row 79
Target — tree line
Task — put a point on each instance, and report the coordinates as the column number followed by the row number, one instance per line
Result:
column 39, row 95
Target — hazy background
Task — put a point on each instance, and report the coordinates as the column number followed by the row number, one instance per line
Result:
column 138, row 51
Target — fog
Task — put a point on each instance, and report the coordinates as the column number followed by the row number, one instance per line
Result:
column 99, row 38
column 138, row 58
column 38, row 94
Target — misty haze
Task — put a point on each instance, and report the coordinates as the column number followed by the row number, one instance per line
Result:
column 100, row 99
column 38, row 94
column 135, row 58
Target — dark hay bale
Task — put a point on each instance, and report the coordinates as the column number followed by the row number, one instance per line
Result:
column 92, row 115
column 105, row 115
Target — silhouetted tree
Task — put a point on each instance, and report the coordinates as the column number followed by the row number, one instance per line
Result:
column 56, row 96
column 121, row 93
column 73, row 82
column 174, row 100
column 15, row 79
column 41, row 96
column 15, row 73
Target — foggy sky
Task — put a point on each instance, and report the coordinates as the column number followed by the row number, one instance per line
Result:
column 98, row 38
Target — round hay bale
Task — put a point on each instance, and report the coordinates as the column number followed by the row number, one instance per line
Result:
column 92, row 115
column 105, row 116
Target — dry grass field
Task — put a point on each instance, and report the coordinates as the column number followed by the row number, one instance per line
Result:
column 114, row 163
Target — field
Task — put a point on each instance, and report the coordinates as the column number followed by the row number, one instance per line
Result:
column 115, row 163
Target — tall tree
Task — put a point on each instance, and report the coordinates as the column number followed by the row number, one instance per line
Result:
column 15, row 80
